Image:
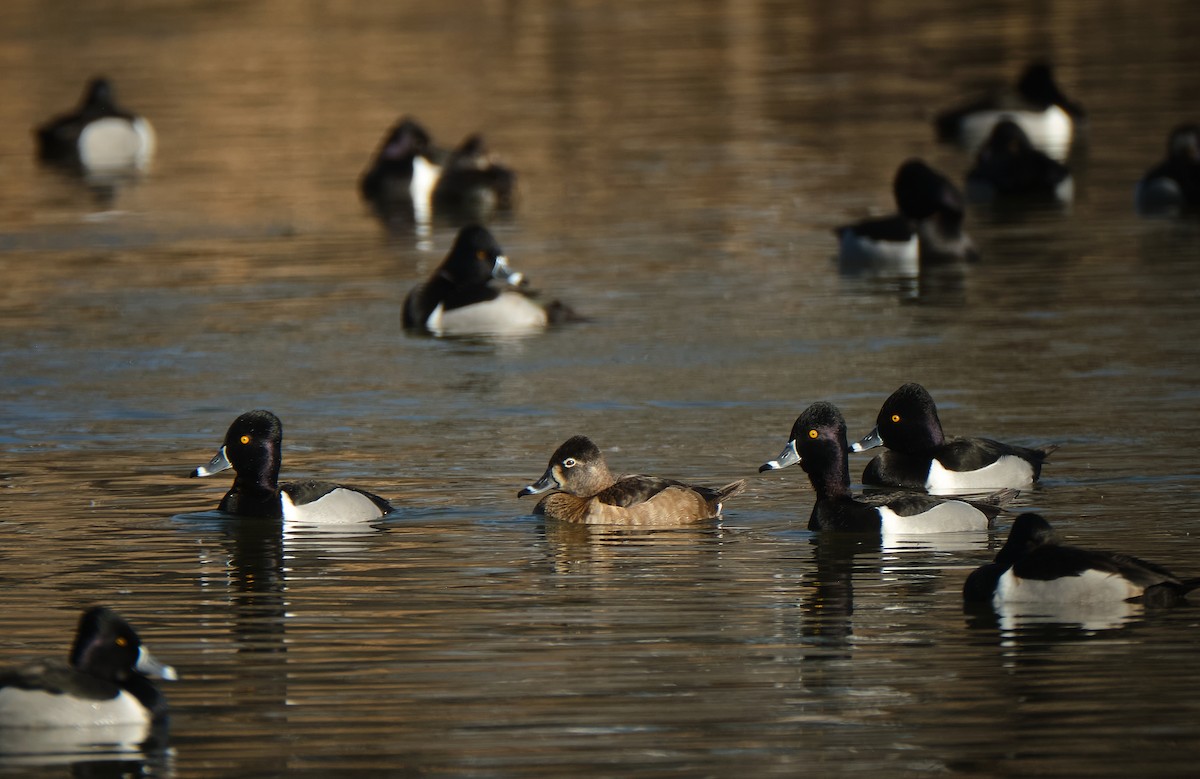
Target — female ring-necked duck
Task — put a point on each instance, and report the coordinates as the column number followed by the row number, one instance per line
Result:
column 1033, row 567
column 1037, row 105
column 920, row 457
column 99, row 135
column 586, row 492
column 1008, row 167
column 106, row 681
column 459, row 299
column 818, row 444
column 928, row 227
column 253, row 449
column 1174, row 183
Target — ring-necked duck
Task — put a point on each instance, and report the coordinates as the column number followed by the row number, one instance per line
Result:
column 459, row 299
column 473, row 184
column 586, row 492
column 405, row 170
column 1037, row 105
column 818, row 444
column 99, row 135
column 253, row 448
column 928, row 227
column 1174, row 183
column 106, row 681
column 920, row 457
column 1033, row 567
column 1008, row 167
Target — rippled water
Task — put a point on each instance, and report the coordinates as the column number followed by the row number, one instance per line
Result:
column 680, row 166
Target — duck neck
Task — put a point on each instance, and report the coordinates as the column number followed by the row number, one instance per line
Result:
column 829, row 474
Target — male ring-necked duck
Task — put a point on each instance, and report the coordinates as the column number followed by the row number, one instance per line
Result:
column 405, row 171
column 1174, row 183
column 586, row 492
column 99, row 136
column 928, row 227
column 459, row 298
column 473, row 185
column 1037, row 105
column 1009, row 168
column 920, row 457
column 1033, row 567
column 818, row 444
column 106, row 681
column 253, row 448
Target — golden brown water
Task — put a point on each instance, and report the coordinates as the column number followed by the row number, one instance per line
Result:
column 680, row 167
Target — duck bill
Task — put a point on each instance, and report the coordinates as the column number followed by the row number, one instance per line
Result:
column 151, row 666
column 502, row 272
column 869, row 441
column 789, row 456
column 544, row 484
column 219, row 462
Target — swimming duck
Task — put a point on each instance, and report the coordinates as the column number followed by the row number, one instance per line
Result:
column 459, row 299
column 920, row 457
column 1008, row 167
column 253, row 449
column 405, row 170
column 105, row 681
column 1174, row 183
column 586, row 492
column 1033, row 567
column 818, row 444
column 473, row 184
column 928, row 227
column 99, row 136
column 1038, row 105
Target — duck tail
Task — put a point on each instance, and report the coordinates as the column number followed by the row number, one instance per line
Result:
column 731, row 489
column 1046, row 450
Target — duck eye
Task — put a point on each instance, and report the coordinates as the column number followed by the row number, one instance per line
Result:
column 245, row 439
column 482, row 255
column 569, row 462
column 813, row 434
column 895, row 417
column 121, row 641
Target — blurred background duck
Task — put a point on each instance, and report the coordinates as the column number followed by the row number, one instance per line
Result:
column 1174, row 184
column 99, row 136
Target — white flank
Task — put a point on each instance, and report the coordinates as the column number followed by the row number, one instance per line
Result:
column 337, row 506
column 881, row 258
column 112, row 143
column 40, row 709
column 425, row 177
column 1089, row 587
column 1008, row 471
column 1050, row 131
column 948, row 517
column 509, row 314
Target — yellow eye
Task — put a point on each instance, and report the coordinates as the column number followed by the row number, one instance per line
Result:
column 813, row 434
column 245, row 439
column 122, row 641
column 895, row 417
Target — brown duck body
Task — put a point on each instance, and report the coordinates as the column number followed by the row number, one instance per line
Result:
column 587, row 493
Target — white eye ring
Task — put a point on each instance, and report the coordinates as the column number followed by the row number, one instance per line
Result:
column 569, row 462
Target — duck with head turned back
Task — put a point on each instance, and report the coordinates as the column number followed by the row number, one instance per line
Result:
column 99, row 136
column 1009, row 169
column 1036, row 104
column 920, row 457
column 586, row 492
column 1174, row 184
column 253, row 449
column 105, row 682
column 1033, row 567
column 459, row 298
column 818, row 444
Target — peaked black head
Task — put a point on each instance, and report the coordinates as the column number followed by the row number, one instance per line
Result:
column 406, row 139
column 105, row 645
column 921, row 192
column 819, row 437
column 1037, row 86
column 475, row 258
column 1028, row 532
column 908, row 420
column 1184, row 143
column 98, row 96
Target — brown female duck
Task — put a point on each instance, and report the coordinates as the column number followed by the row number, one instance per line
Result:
column 586, row 492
